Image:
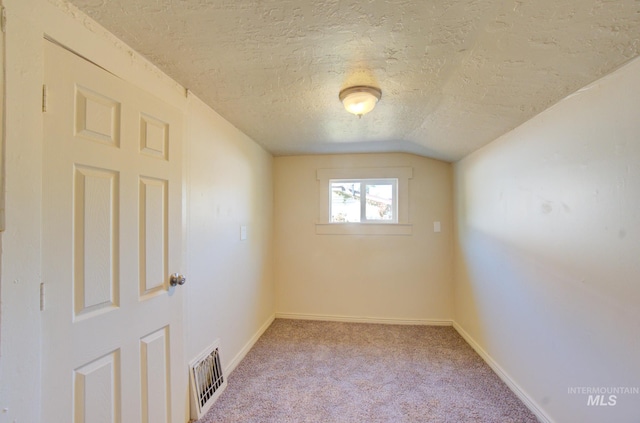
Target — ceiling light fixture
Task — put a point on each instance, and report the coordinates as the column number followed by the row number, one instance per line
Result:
column 360, row 100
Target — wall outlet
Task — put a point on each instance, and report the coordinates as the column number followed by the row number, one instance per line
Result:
column 243, row 233
column 436, row 227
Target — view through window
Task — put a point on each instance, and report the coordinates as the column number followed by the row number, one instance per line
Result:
column 364, row 200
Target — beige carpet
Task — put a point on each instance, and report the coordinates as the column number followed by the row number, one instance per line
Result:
column 307, row 371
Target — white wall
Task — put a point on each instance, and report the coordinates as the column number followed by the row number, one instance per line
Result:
column 238, row 170
column 547, row 269
column 231, row 281
column 351, row 277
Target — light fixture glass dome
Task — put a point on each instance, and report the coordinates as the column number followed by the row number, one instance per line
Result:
column 360, row 100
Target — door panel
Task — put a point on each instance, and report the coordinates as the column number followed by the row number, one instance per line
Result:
column 153, row 237
column 96, row 246
column 156, row 380
column 112, row 324
column 97, row 117
column 96, row 387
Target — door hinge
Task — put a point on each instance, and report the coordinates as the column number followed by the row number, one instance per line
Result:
column 42, row 296
column 44, row 98
column 3, row 19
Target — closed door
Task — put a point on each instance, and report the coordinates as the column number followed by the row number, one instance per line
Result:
column 112, row 321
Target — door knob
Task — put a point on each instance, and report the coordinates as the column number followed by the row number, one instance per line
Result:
column 177, row 279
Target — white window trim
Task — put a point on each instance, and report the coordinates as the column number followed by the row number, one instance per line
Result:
column 325, row 227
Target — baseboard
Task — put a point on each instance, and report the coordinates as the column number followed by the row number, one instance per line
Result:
column 353, row 319
column 502, row 374
column 231, row 366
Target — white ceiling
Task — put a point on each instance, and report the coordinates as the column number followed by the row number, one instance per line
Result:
column 454, row 74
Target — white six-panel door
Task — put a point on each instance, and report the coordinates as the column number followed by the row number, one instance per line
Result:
column 112, row 324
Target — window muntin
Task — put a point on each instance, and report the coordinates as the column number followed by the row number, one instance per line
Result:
column 363, row 200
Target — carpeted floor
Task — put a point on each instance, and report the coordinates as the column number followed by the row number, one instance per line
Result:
column 308, row 371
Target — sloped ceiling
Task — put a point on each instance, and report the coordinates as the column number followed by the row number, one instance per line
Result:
column 454, row 74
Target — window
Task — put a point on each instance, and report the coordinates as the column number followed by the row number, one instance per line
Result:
column 364, row 200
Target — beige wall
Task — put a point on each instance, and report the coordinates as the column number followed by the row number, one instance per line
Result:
column 229, row 183
column 547, row 271
column 363, row 276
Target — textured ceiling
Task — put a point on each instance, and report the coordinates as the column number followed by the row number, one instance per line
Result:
column 454, row 74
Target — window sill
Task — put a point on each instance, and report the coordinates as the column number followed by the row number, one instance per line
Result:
column 364, row 229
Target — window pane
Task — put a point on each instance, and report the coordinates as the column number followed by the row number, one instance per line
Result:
column 379, row 202
column 345, row 202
